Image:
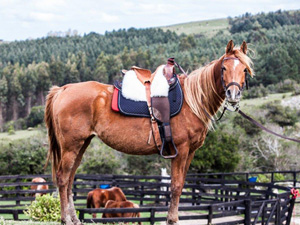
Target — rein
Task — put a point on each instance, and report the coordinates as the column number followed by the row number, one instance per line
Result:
column 264, row 128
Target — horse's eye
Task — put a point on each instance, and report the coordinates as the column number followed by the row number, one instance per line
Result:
column 223, row 68
column 245, row 70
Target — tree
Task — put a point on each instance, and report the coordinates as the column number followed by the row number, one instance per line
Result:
column 3, row 99
column 29, row 82
column 56, row 71
column 43, row 82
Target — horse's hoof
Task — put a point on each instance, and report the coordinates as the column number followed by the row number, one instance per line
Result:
column 77, row 222
column 170, row 222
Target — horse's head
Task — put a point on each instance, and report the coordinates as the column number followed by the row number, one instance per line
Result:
column 235, row 65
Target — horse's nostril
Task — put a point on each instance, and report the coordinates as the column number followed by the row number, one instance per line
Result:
column 238, row 94
column 228, row 93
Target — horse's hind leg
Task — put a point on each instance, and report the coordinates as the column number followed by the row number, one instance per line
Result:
column 70, row 154
column 72, row 210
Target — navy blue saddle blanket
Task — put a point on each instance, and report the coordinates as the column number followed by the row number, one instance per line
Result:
column 139, row 108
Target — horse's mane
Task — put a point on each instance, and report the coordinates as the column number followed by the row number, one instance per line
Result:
column 201, row 90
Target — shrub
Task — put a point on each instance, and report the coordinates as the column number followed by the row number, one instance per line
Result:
column 283, row 116
column 25, row 156
column 263, row 179
column 249, row 127
column 10, row 125
column 45, row 208
column 256, row 92
column 101, row 159
column 36, row 116
column 218, row 154
column 278, row 177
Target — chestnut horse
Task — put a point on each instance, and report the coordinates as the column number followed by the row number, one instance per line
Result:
column 75, row 113
column 125, row 204
column 99, row 197
column 39, row 186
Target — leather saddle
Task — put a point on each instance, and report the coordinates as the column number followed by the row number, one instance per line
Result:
column 159, row 108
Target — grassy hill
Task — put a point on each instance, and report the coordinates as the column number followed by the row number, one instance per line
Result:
column 206, row 27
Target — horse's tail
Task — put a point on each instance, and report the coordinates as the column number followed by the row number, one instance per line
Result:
column 54, row 148
column 89, row 200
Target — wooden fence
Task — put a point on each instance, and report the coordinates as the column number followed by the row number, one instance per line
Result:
column 206, row 195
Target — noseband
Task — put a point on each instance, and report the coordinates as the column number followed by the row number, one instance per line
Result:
column 232, row 83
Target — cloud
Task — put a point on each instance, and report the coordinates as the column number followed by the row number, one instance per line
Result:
column 108, row 18
column 43, row 17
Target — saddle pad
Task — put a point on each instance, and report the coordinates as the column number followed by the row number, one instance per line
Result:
column 140, row 108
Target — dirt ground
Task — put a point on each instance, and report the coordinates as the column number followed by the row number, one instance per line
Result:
column 295, row 218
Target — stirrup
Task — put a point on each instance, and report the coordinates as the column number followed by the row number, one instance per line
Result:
column 164, row 143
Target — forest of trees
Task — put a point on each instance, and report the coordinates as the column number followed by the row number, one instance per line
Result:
column 29, row 68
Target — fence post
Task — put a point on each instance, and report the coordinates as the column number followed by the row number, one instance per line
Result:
column 248, row 211
column 295, row 178
column 16, row 214
column 142, row 195
column 278, row 212
column 81, row 215
column 74, row 190
column 18, row 189
column 152, row 216
column 210, row 215
column 290, row 212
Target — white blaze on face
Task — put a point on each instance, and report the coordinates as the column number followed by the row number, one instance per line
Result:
column 236, row 62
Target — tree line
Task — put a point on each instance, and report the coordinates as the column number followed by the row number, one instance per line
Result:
column 29, row 68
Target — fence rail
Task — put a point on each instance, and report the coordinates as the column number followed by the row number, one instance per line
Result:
column 215, row 195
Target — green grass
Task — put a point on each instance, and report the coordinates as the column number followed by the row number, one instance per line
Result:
column 206, row 27
column 19, row 134
column 256, row 102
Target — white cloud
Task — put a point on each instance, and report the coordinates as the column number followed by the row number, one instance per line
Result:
column 108, row 18
column 43, row 17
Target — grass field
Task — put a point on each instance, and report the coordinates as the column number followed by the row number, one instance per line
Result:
column 206, row 27
column 19, row 134
column 249, row 103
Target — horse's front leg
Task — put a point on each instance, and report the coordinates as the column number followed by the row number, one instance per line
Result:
column 177, row 182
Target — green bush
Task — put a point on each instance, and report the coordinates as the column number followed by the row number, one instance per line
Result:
column 218, row 154
column 249, row 127
column 263, row 179
column 25, row 156
column 45, row 208
column 278, row 177
column 10, row 125
column 101, row 159
column 283, row 116
column 256, row 92
column 36, row 116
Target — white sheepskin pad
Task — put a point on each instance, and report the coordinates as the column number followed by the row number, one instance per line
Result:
column 133, row 89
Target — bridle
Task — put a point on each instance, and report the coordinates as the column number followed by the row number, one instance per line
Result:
column 227, row 103
column 233, row 83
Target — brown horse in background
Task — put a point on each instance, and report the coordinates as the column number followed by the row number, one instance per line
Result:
column 125, row 204
column 99, row 197
column 39, row 186
column 75, row 113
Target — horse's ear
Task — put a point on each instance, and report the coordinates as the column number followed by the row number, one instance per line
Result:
column 229, row 47
column 244, row 47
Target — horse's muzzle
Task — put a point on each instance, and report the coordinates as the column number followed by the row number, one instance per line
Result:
column 233, row 96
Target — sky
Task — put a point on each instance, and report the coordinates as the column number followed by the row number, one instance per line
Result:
column 27, row 19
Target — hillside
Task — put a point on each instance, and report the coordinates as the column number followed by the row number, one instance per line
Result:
column 207, row 27
column 29, row 68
